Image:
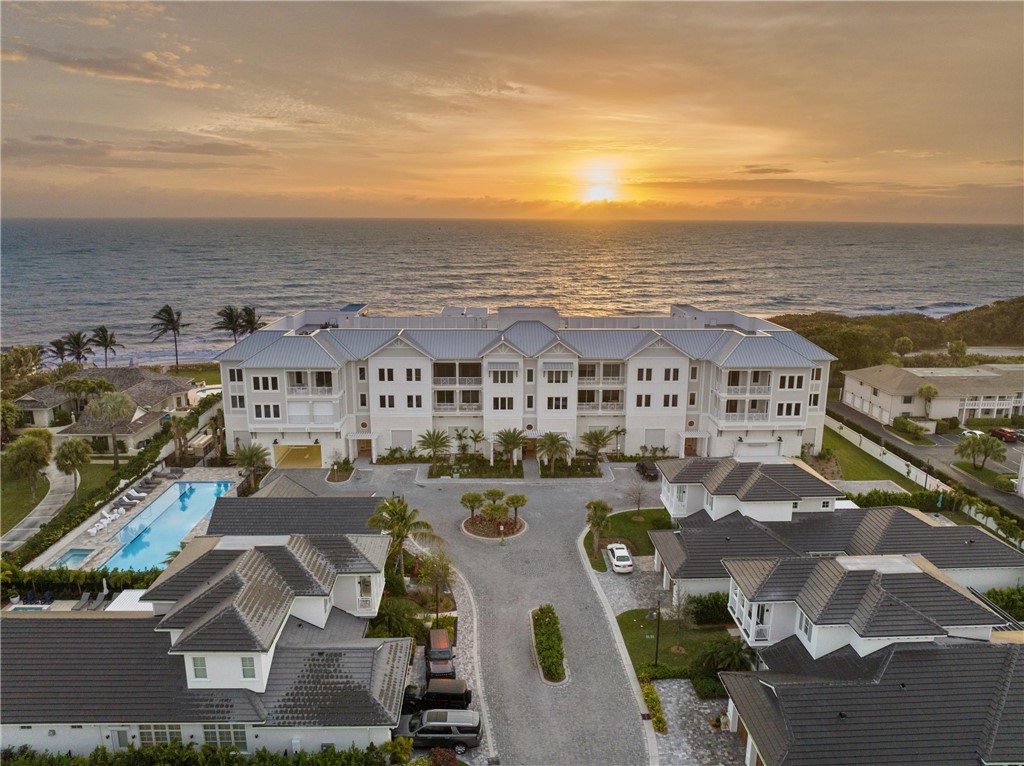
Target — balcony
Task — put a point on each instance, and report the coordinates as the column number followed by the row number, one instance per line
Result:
column 323, row 390
column 458, row 381
column 586, row 406
column 444, row 407
column 446, row 381
column 298, row 390
column 298, row 420
column 321, row 419
column 611, row 406
column 613, row 381
column 364, row 602
column 588, row 381
column 470, row 407
column 744, row 417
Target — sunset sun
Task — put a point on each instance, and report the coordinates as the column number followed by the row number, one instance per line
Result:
column 599, row 181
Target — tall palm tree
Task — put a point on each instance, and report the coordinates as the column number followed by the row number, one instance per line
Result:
column 554, row 447
column 26, row 457
column 72, row 455
column 511, row 439
column 167, row 321
column 436, row 570
column 598, row 512
column 110, row 408
column 78, row 345
column 436, row 442
column 394, row 517
column 927, row 392
column 617, row 432
column 253, row 456
column 105, row 339
column 179, row 435
column 250, row 320
column 57, row 350
column 969, row 447
column 471, row 501
column 477, row 436
column 230, row 320
column 460, row 438
column 990, row 447
column 515, row 502
column 595, row 440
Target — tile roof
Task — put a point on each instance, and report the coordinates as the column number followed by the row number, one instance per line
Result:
column 283, row 486
column 749, row 481
column 927, row 704
column 988, row 379
column 249, row 345
column 195, row 566
column 42, row 398
column 291, row 515
column 90, row 426
column 291, row 351
column 145, row 387
column 99, row 669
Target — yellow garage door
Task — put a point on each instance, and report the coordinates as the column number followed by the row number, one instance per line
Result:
column 297, row 456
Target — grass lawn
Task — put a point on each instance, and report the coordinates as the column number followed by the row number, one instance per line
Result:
column 858, row 465
column 633, row 534
column 920, row 441
column 986, row 475
column 639, row 634
column 835, row 393
column 208, row 371
column 93, row 476
column 959, row 518
column 16, row 499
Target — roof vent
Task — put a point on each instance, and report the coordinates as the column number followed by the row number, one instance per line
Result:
column 842, row 715
column 968, row 542
column 728, row 539
column 903, row 685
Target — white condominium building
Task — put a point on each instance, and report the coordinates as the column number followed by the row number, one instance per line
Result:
column 326, row 384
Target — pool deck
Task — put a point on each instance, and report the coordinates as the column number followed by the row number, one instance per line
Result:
column 103, row 547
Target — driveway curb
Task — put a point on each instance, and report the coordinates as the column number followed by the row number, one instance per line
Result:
column 606, row 477
column 652, row 742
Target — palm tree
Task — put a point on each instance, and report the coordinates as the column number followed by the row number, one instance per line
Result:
column 110, row 408
column 230, row 320
column 460, row 438
column 436, row 570
column 253, row 456
column 471, row 501
column 396, row 617
column 494, row 495
column 476, row 437
column 72, row 455
column 724, row 655
column 495, row 512
column 394, row 517
column 167, row 321
column 251, row 321
column 179, row 434
column 598, row 512
column 927, row 392
column 26, row 457
column 511, row 439
column 10, row 415
column 969, row 447
column 58, row 350
column 554, row 447
column 436, row 442
column 990, row 447
column 515, row 502
column 105, row 339
column 78, row 346
column 78, row 388
column 596, row 440
column 617, row 432
column 903, row 346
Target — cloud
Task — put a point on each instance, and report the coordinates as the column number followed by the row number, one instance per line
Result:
column 150, row 67
column 1004, row 163
column 105, row 155
column 763, row 170
column 214, row 148
column 788, row 185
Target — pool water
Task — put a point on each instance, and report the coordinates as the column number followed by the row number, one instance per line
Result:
column 156, row 532
column 72, row 558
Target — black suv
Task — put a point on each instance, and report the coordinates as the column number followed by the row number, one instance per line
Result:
column 647, row 469
column 438, row 694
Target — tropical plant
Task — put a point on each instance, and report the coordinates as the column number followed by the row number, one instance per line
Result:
column 471, row 501
column 17, row 364
column 494, row 495
column 724, row 655
column 229, row 320
column 903, row 346
column 10, row 415
column 460, row 438
column 78, row 345
column 617, row 432
column 179, row 435
column 515, row 502
column 167, row 321
column 927, row 392
column 26, row 457
column 78, row 388
column 969, row 447
column 436, row 442
column 394, row 517
column 554, row 447
column 110, row 408
column 251, row 321
column 254, row 457
column 71, row 456
column 510, row 439
column 105, row 339
column 495, row 512
column 989, row 447
column 173, row 554
column 45, row 435
column 57, row 350
column 596, row 440
column 957, row 349
column 477, row 436
column 436, row 570
column 397, row 616
column 598, row 512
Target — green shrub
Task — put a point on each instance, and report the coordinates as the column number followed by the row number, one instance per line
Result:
column 662, row 672
column 942, row 427
column 193, row 754
column 547, row 637
column 394, row 584
column 712, row 609
column 99, row 444
column 907, row 426
column 61, row 418
column 954, row 422
column 1010, row 600
column 1003, row 484
column 825, row 453
column 653, row 702
column 982, row 424
column 708, row 688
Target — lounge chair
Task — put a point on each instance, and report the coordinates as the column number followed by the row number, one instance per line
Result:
column 129, row 500
column 162, row 475
column 82, row 602
column 30, row 598
column 176, row 473
column 94, row 529
column 108, row 515
column 135, row 494
column 103, row 523
column 47, row 597
column 97, row 603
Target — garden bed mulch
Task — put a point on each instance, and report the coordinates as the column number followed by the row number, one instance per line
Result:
column 482, row 527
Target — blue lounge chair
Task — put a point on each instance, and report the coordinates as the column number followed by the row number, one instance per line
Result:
column 30, row 598
column 82, row 602
column 47, row 597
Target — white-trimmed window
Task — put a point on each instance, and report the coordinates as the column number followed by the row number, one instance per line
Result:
column 529, row 402
column 558, row 402
column 413, row 374
column 362, row 400
column 816, row 373
column 234, row 375
column 264, row 383
column 386, row 374
column 323, row 379
column 671, row 400
column 826, row 504
column 643, row 400
column 267, row 411
column 814, row 400
column 199, row 667
column 226, row 734
column 362, row 373
column 644, row 373
column 672, row 373
column 504, row 376
column 788, row 409
column 503, row 403
column 693, row 372
column 414, row 402
column 237, row 402
column 804, row 624
column 558, row 376
column 248, row 667
column 159, row 733
column 529, row 375
column 693, row 399
column 387, row 402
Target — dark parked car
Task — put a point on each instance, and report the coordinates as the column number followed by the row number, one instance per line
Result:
column 439, row 655
column 1006, row 434
column 647, row 469
column 439, row 694
column 458, row 729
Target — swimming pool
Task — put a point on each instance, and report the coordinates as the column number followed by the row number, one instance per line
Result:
column 72, row 558
column 149, row 537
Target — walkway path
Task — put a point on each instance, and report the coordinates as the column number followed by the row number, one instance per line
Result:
column 61, row 489
column 531, row 469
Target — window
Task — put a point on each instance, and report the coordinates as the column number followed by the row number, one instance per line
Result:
column 444, row 397
column 672, row 373
column 298, row 378
column 588, row 370
column 693, row 372
column 805, row 625
column 365, row 587
column 267, row 411
column 788, row 409
column 470, row 397
column 503, row 376
column 643, row 400
column 237, row 402
column 795, row 505
column 693, row 399
column 732, row 405
column 386, row 374
column 264, row 383
column 816, row 373
column 387, row 402
column 226, row 734
column 760, row 378
column 413, row 374
column 558, row 376
column 529, row 375
column 814, row 400
column 414, row 402
column 558, row 402
column 199, row 667
column 323, row 379
column 671, row 400
column 503, row 403
column 362, row 373
column 908, row 399
column 734, row 378
column 235, row 376
column 529, row 402
column 362, row 400
column 826, row 504
column 158, row 734
column 611, row 370
column 874, row 392
column 644, row 373
column 248, row 667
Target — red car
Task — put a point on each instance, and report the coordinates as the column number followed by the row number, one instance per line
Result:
column 1006, row 434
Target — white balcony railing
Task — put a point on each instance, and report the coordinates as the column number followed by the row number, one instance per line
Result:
column 587, row 381
column 613, row 381
column 586, row 406
column 298, row 390
column 444, row 407
column 323, row 418
column 299, row 419
column 458, row 381
column 323, row 390
column 470, row 407
column 471, row 381
column 611, row 406
column 759, row 389
column 760, row 632
column 363, row 602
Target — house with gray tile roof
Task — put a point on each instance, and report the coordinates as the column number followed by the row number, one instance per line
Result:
column 956, row 703
column 342, row 383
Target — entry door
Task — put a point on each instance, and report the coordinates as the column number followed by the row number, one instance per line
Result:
column 121, row 738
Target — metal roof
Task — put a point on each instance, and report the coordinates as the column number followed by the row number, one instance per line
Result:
column 291, row 351
column 530, row 337
column 802, row 346
column 760, row 351
column 697, row 344
column 558, row 365
column 606, row 344
column 358, row 344
column 452, row 344
column 249, row 345
column 502, row 366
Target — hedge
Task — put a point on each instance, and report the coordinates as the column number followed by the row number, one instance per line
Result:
column 712, row 609
column 1010, row 600
column 71, row 583
column 547, row 637
column 77, row 511
column 709, row 688
column 1014, row 421
column 653, row 702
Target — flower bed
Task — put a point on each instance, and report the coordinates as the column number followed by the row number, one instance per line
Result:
column 483, row 527
column 547, row 639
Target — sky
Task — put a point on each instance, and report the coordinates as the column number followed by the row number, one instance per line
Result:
column 840, row 111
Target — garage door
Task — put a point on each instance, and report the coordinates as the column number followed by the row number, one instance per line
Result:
column 654, row 437
column 297, row 456
column 401, row 438
column 755, row 449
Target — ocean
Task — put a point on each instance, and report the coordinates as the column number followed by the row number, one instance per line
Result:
column 58, row 276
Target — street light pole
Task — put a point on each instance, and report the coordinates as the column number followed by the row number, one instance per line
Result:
column 657, row 632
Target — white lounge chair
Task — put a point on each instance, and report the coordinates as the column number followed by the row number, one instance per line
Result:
column 129, row 500
column 103, row 523
column 93, row 530
column 108, row 515
column 134, row 493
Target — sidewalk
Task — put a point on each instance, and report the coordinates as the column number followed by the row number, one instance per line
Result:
column 61, row 489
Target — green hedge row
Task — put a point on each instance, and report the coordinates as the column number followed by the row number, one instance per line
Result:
column 709, row 688
column 653, row 702
column 1010, row 600
column 712, row 609
column 979, row 423
column 70, row 583
column 77, row 511
column 547, row 637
